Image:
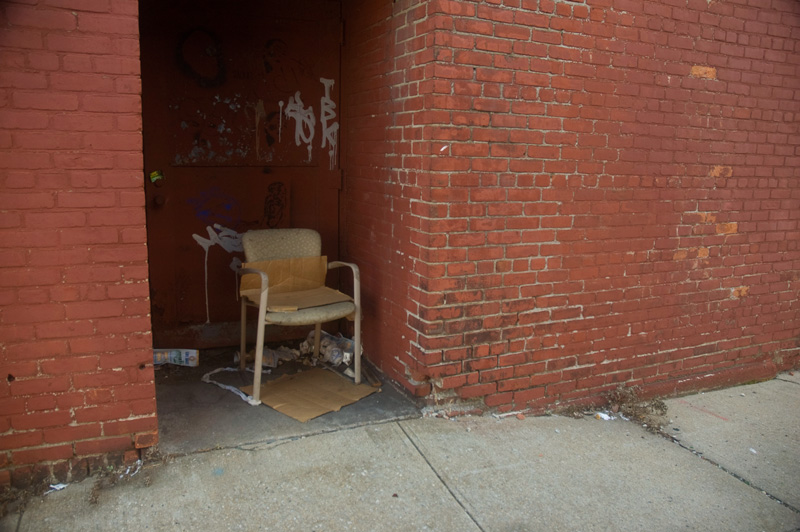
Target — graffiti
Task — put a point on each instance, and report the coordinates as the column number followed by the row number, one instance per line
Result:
column 327, row 112
column 218, row 129
column 261, row 114
column 304, row 120
column 199, row 56
column 275, row 204
column 266, row 127
column 227, row 239
column 214, row 206
column 282, row 71
column 280, row 120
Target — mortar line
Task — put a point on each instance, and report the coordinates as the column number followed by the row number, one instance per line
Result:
column 441, row 479
column 735, row 475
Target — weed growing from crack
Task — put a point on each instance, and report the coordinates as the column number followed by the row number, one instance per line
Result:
column 651, row 414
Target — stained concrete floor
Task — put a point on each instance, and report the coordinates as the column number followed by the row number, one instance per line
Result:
column 195, row 416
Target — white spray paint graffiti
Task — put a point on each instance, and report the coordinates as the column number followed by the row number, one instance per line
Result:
column 227, row 239
column 304, row 121
column 330, row 133
column 280, row 120
column 261, row 114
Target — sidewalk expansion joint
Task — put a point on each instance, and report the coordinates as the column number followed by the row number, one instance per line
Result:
column 731, row 473
column 441, row 479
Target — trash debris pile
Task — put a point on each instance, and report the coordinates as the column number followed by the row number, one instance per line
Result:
column 335, row 352
column 272, row 357
column 179, row 357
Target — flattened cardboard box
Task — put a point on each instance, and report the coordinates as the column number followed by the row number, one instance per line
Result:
column 294, row 284
column 310, row 394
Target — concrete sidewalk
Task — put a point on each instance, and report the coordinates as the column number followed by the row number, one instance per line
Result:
column 734, row 467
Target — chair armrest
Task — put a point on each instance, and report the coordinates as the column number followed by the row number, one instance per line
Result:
column 264, row 279
column 356, row 278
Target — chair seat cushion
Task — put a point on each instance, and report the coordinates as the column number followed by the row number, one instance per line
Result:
column 312, row 315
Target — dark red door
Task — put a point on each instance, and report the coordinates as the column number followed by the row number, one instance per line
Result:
column 240, row 121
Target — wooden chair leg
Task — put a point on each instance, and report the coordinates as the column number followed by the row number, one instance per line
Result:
column 257, row 366
column 357, row 346
column 243, row 339
column 317, row 336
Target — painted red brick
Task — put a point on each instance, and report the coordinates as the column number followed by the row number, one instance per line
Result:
column 42, row 454
column 546, row 199
column 635, row 259
column 102, row 446
column 63, row 178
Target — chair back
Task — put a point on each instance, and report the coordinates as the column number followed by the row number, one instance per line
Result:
column 271, row 244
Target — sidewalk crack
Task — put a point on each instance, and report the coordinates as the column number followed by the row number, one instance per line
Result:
column 735, row 475
column 778, row 378
column 441, row 479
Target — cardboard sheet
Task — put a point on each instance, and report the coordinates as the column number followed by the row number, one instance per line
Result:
column 311, row 393
column 291, row 301
column 287, row 275
column 294, row 284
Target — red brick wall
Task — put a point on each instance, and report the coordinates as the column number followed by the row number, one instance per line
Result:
column 587, row 194
column 75, row 359
column 382, row 64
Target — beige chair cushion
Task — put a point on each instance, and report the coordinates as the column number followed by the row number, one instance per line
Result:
column 270, row 244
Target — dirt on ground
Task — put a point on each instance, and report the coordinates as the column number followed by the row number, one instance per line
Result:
column 625, row 402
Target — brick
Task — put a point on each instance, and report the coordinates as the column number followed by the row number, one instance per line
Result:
column 105, row 445
column 63, row 257
column 36, row 350
column 96, row 6
column 93, row 309
column 46, row 402
column 23, row 80
column 72, row 433
column 131, row 426
column 117, row 217
column 54, row 220
column 111, row 412
column 20, row 440
column 477, row 390
column 727, row 228
column 77, row 43
column 22, row 38
column 106, row 23
column 37, row 386
column 82, row 121
column 64, row 329
column 113, row 142
column 45, row 100
column 146, row 440
column 41, row 420
column 68, row 365
column 99, row 380
column 42, row 454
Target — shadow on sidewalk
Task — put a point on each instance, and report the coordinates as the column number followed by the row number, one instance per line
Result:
column 196, row 416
